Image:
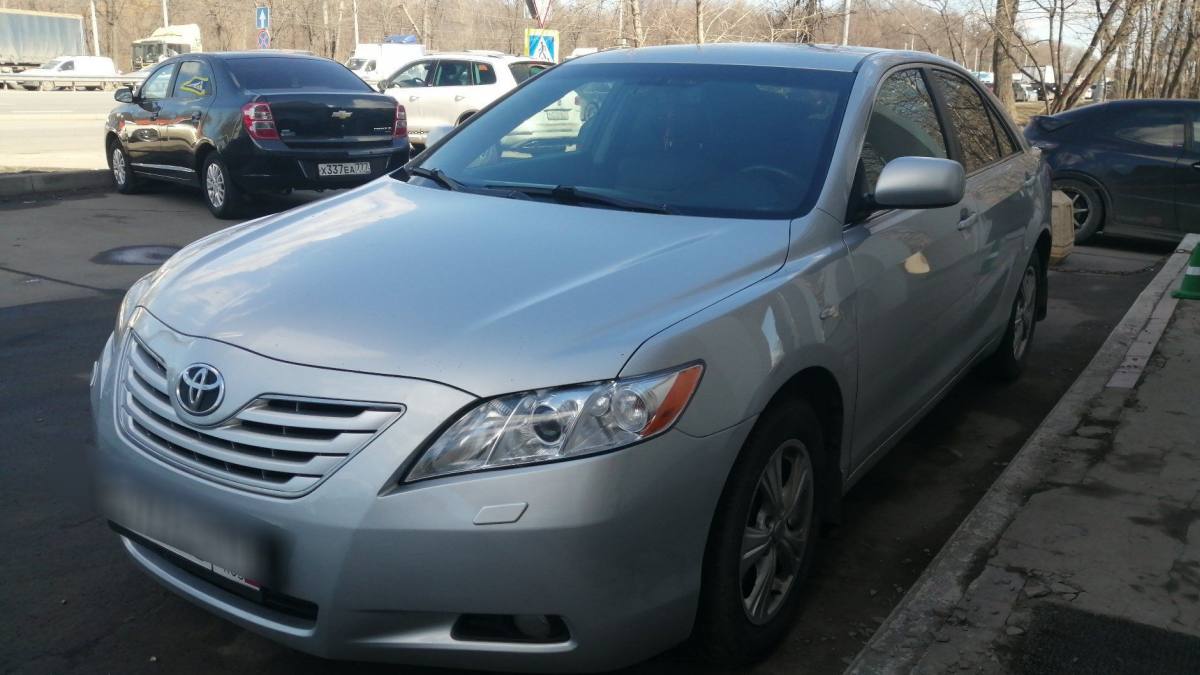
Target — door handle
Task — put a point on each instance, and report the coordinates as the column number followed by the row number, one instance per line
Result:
column 1196, row 166
column 459, row 98
column 414, row 98
column 966, row 219
column 195, row 118
column 1029, row 180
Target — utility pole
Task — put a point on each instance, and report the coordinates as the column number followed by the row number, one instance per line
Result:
column 699, row 22
column 845, row 22
column 166, row 19
column 95, row 31
column 355, row 10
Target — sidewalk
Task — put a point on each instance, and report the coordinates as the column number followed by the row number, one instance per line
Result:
column 1085, row 556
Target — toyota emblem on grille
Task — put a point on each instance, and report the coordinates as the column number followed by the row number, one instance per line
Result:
column 200, row 389
column 342, row 114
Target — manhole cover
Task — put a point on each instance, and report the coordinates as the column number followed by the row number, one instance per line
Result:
column 135, row 255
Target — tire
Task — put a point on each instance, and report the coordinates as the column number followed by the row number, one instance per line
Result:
column 123, row 177
column 1087, row 207
column 222, row 196
column 731, row 627
column 1008, row 361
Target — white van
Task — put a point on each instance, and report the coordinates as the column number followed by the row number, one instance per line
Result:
column 70, row 66
column 374, row 62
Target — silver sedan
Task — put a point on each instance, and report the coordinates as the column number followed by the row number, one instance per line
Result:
column 559, row 402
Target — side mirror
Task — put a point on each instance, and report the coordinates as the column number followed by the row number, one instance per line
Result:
column 436, row 134
column 124, row 95
column 919, row 183
column 382, row 86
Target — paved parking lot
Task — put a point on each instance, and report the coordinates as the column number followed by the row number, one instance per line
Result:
column 77, row 606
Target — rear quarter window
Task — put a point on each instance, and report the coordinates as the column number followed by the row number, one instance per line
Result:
column 524, row 71
column 258, row 73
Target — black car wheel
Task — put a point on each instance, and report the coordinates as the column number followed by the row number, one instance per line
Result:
column 122, row 172
column 1087, row 208
column 221, row 194
column 763, row 537
column 1008, row 361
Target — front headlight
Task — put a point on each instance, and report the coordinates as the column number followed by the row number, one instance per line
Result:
column 552, row 424
column 132, row 297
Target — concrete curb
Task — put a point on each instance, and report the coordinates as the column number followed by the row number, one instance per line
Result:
column 908, row 632
column 19, row 185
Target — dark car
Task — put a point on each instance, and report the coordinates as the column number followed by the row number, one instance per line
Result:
column 1129, row 167
column 237, row 123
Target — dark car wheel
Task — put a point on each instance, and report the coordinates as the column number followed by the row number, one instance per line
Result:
column 1087, row 208
column 763, row 537
column 221, row 194
column 122, row 172
column 1008, row 361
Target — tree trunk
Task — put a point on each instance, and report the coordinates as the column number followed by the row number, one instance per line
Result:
column 1002, row 65
column 635, row 11
column 699, row 22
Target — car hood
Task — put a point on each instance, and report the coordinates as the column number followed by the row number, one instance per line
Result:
column 487, row 294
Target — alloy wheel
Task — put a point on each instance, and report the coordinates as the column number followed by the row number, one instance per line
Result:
column 777, row 531
column 118, row 166
column 1023, row 314
column 214, row 185
column 1081, row 207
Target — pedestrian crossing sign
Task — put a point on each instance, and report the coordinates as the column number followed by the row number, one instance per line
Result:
column 541, row 44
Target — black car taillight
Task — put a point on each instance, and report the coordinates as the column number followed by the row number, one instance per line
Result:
column 259, row 122
column 400, row 129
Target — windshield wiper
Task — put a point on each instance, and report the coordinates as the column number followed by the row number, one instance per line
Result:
column 438, row 176
column 570, row 194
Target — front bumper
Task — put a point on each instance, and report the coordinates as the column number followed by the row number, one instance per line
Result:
column 612, row 544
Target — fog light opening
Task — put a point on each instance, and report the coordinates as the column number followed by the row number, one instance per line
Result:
column 535, row 628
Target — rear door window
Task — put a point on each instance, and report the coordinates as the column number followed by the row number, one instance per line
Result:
column 484, row 73
column 194, row 81
column 969, row 115
column 903, row 123
column 525, row 70
column 452, row 74
column 274, row 72
column 1160, row 128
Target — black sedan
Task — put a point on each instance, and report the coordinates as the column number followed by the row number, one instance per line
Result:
column 242, row 122
column 1130, row 167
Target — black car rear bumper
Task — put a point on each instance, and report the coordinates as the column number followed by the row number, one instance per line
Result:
column 261, row 169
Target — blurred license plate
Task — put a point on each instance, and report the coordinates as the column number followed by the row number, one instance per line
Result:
column 344, row 169
column 556, row 115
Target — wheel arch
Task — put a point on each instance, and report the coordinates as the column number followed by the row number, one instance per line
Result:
column 203, row 150
column 465, row 116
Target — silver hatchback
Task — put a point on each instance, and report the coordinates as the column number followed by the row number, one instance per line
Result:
column 557, row 403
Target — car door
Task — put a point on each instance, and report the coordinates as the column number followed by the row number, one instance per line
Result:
column 912, row 271
column 1140, row 148
column 409, row 86
column 183, row 114
column 143, row 132
column 449, row 97
column 1187, row 192
column 996, row 207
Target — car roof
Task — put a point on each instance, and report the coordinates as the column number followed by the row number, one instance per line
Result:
column 1126, row 104
column 258, row 53
column 787, row 55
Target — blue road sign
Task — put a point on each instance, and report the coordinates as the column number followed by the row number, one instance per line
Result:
column 264, row 39
column 262, row 18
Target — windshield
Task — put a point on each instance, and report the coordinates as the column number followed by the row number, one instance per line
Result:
column 51, row 65
column 731, row 141
column 355, row 64
column 257, row 73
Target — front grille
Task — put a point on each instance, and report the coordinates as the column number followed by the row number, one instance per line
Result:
column 276, row 444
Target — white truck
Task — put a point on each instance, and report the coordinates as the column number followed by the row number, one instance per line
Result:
column 375, row 62
column 28, row 39
column 166, row 42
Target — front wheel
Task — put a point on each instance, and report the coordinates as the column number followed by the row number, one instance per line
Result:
column 221, row 194
column 763, row 537
column 1008, row 361
column 122, row 172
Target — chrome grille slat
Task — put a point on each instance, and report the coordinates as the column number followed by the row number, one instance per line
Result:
column 276, row 444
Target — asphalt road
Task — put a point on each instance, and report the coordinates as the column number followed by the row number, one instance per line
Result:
column 53, row 129
column 73, row 604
